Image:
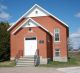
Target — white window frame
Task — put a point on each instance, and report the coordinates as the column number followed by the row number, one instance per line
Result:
column 55, row 33
column 57, row 51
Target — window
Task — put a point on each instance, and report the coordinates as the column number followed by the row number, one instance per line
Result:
column 57, row 52
column 56, row 34
column 31, row 38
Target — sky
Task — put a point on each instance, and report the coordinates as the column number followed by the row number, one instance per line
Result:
column 66, row 10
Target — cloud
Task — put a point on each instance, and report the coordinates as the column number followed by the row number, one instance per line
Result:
column 78, row 14
column 4, row 15
column 75, row 39
column 3, row 7
column 75, row 34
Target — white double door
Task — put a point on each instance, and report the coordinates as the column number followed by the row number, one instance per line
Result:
column 30, row 46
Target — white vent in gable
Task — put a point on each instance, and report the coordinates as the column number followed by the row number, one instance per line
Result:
column 36, row 12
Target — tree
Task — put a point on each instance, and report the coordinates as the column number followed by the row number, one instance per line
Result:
column 79, row 48
column 4, row 41
column 70, row 46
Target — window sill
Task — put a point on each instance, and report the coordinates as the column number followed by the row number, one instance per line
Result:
column 56, row 41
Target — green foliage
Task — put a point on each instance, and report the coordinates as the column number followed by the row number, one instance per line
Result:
column 4, row 41
column 70, row 46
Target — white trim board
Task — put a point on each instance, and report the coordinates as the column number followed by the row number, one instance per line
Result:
column 24, row 15
column 30, row 19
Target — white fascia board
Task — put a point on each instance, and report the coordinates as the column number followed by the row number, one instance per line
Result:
column 43, row 10
column 34, row 22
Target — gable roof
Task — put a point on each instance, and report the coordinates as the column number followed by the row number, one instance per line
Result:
column 24, row 16
column 30, row 19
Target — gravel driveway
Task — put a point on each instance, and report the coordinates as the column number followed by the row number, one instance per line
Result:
column 70, row 69
column 29, row 70
column 39, row 70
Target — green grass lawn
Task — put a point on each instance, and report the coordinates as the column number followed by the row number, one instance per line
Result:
column 73, row 61
column 7, row 64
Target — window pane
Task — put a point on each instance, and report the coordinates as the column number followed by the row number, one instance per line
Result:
column 57, row 30
column 57, row 54
column 56, row 36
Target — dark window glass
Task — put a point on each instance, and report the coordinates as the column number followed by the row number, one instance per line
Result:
column 57, row 52
column 56, row 36
column 33, row 38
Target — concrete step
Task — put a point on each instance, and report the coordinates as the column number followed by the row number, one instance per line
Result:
column 27, row 58
column 25, row 61
column 32, row 59
column 24, row 65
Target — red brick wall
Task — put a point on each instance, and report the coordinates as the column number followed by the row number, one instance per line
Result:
column 17, row 40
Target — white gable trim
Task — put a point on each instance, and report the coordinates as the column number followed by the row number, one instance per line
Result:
column 34, row 22
column 41, row 9
column 37, row 12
